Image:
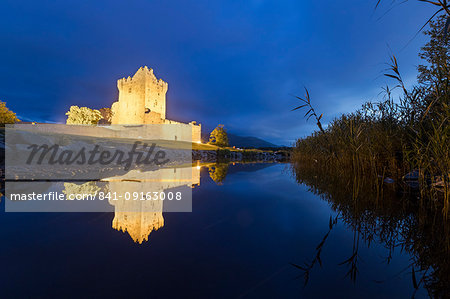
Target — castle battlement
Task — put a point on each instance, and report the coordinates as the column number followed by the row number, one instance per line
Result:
column 142, row 100
column 144, row 75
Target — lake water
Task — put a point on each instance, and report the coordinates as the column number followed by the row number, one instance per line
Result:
column 246, row 232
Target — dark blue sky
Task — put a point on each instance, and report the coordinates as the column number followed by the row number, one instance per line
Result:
column 230, row 62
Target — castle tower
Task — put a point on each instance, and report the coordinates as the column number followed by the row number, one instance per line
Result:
column 142, row 99
column 139, row 225
column 138, row 218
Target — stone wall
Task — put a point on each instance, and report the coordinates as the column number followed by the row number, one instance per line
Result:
column 173, row 132
column 196, row 129
column 196, row 132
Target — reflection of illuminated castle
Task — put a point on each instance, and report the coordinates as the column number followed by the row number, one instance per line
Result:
column 139, row 225
column 140, row 218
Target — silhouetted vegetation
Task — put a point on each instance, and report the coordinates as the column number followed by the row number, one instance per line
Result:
column 223, row 154
column 385, row 169
column 384, row 141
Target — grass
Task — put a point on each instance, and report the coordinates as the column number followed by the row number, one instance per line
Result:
column 204, row 147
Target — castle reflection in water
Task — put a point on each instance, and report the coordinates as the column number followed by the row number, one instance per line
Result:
column 139, row 218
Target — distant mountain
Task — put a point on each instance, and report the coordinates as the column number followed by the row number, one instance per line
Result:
column 240, row 141
column 248, row 142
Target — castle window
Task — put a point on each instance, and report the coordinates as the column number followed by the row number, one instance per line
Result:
column 129, row 90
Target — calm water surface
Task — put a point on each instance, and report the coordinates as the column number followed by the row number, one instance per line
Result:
column 240, row 241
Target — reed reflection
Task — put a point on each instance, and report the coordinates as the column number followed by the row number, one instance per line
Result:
column 384, row 213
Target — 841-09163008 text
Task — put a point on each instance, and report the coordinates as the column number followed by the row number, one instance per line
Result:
column 51, row 196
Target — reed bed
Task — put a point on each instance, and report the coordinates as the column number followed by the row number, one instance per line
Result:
column 404, row 141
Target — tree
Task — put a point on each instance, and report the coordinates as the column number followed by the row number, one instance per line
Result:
column 434, row 74
column 436, row 54
column 219, row 136
column 82, row 116
column 6, row 115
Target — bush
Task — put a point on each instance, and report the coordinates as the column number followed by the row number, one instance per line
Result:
column 83, row 116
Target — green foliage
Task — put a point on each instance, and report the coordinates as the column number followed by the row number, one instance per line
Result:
column 218, row 172
column 219, row 137
column 6, row 115
column 83, row 116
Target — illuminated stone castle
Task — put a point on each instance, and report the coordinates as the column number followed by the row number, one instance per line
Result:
column 142, row 100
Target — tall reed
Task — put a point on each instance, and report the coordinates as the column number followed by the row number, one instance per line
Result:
column 386, row 140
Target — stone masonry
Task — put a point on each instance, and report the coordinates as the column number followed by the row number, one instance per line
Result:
column 142, row 100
